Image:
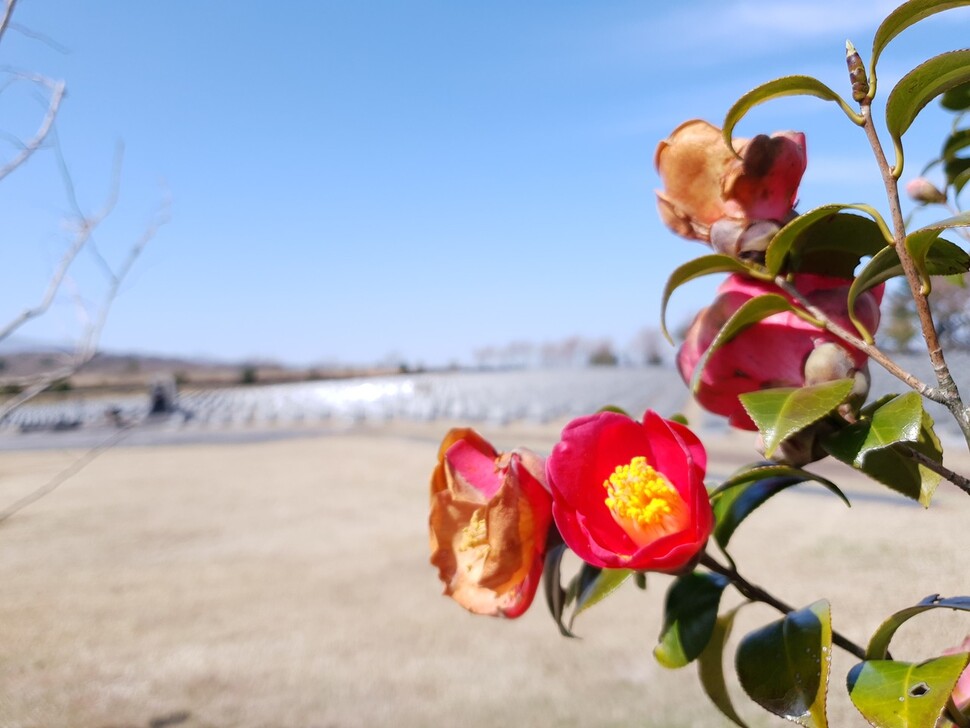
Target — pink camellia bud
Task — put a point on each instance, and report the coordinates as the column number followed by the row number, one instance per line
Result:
column 704, row 182
column 924, row 192
column 776, row 351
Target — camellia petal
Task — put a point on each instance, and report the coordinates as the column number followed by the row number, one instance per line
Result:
column 630, row 494
column 705, row 185
column 490, row 514
column 772, row 352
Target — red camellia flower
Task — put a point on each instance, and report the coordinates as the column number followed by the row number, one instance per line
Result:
column 774, row 351
column 631, row 495
column 490, row 514
column 711, row 195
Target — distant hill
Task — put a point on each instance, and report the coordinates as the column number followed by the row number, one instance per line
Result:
column 111, row 370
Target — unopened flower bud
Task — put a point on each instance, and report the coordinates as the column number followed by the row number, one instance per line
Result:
column 826, row 363
column 743, row 239
column 857, row 73
column 924, row 192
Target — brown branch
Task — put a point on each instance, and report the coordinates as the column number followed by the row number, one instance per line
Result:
column 871, row 350
column 947, row 386
column 939, row 468
column 757, row 594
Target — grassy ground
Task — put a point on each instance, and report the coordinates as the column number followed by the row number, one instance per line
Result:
column 287, row 584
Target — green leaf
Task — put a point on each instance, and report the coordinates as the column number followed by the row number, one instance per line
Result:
column 894, row 694
column 710, row 667
column 703, row 266
column 957, row 140
column 897, row 21
column 780, row 413
column 750, row 312
column 733, row 505
column 594, row 585
column 825, row 228
column 552, row 586
column 784, row 667
column 954, row 169
column 898, row 420
column 767, row 469
column 878, row 648
column 917, row 88
column 890, row 465
column 786, row 86
column 957, row 98
column 943, row 258
column 921, row 242
column 690, row 614
column 960, row 181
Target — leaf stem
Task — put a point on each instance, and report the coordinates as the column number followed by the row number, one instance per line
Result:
column 947, row 386
column 757, row 594
column 871, row 350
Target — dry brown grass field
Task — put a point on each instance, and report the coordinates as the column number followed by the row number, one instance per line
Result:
column 286, row 584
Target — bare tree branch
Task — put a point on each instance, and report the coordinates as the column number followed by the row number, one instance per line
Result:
column 5, row 18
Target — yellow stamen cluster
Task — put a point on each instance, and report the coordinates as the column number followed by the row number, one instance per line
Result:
column 475, row 534
column 644, row 503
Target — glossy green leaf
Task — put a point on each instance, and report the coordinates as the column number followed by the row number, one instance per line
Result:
column 942, row 258
column 779, row 87
column 556, row 596
column 704, row 266
column 594, row 585
column 750, row 312
column 710, row 667
column 878, row 648
column 613, row 408
column 920, row 242
column 690, row 613
column 733, row 505
column 767, row 469
column 898, row 420
column 957, row 98
column 825, row 227
column 891, row 465
column 894, row 694
column 780, row 413
column 917, row 88
column 897, row 21
column 784, row 667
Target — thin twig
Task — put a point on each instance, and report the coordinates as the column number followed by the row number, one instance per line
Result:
column 72, row 470
column 958, row 480
column 757, row 594
column 5, row 18
column 871, row 350
column 947, row 386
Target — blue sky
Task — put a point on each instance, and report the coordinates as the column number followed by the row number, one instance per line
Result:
column 358, row 180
